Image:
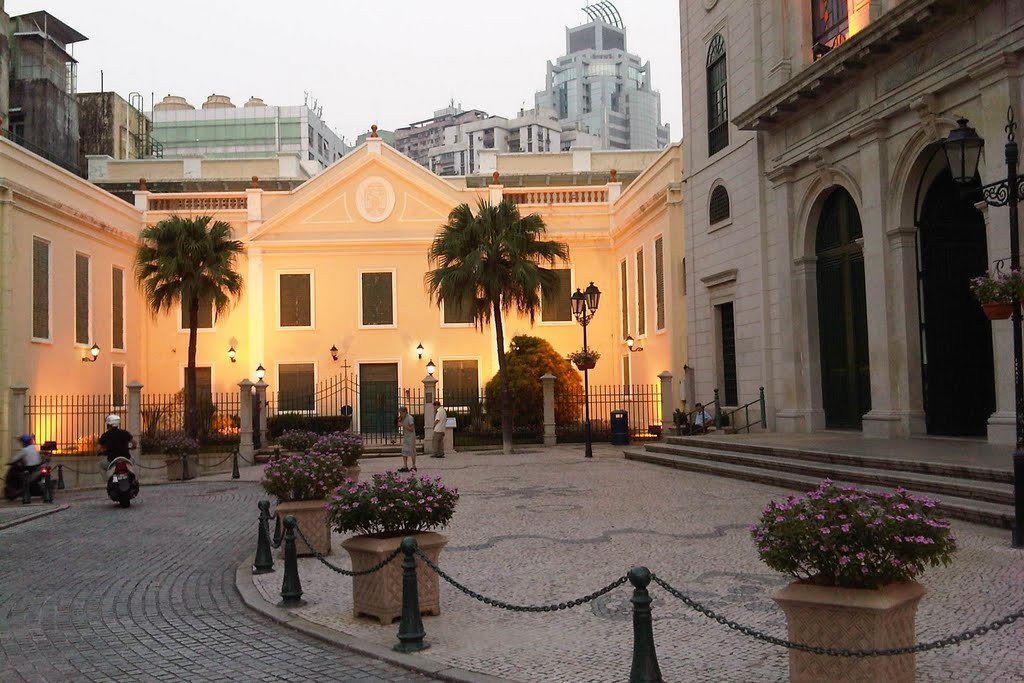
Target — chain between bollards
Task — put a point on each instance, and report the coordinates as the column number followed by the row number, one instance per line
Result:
column 410, row 629
column 645, row 667
column 291, row 586
column 264, row 563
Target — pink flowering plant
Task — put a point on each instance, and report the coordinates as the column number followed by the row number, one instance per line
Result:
column 390, row 505
column 346, row 445
column 304, row 476
column 297, row 440
column 843, row 536
column 998, row 288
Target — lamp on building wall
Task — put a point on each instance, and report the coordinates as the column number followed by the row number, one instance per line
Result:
column 334, row 352
column 261, row 372
column 963, row 151
column 94, row 353
column 419, row 351
column 631, row 344
column 431, row 368
column 584, row 306
column 231, row 354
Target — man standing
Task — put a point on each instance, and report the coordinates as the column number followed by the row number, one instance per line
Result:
column 440, row 420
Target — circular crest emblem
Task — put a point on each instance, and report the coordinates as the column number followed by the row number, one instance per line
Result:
column 375, row 199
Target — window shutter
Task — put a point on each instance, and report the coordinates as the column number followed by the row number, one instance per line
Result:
column 641, row 310
column 205, row 314
column 718, row 209
column 81, row 299
column 378, row 300
column 117, row 385
column 295, row 295
column 459, row 311
column 659, row 282
column 296, row 390
column 40, row 289
column 556, row 305
column 117, row 308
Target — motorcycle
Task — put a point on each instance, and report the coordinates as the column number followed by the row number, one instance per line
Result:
column 122, row 483
column 38, row 479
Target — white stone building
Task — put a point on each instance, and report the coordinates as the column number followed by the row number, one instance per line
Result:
column 462, row 144
column 828, row 251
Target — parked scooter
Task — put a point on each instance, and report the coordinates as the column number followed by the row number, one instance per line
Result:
column 122, row 482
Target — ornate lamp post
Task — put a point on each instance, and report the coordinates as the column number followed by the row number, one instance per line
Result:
column 584, row 306
column 963, row 151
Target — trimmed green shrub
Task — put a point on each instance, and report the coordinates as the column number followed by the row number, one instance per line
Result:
column 321, row 424
column 528, row 359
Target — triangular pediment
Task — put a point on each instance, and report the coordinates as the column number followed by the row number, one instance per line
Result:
column 373, row 193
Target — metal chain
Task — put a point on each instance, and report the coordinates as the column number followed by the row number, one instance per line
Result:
column 554, row 607
column 216, row 464
column 833, row 652
column 347, row 572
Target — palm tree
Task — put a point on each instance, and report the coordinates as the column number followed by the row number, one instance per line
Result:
column 495, row 258
column 185, row 261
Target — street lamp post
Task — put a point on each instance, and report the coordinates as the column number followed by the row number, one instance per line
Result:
column 963, row 151
column 584, row 306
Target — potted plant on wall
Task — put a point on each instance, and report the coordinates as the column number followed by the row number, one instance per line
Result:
column 381, row 512
column 301, row 482
column 997, row 292
column 855, row 555
column 585, row 360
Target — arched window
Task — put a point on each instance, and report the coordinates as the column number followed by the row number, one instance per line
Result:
column 718, row 209
column 718, row 98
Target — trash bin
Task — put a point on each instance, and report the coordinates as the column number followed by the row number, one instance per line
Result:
column 620, row 428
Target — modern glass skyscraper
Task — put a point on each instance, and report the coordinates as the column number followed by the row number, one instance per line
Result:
column 601, row 92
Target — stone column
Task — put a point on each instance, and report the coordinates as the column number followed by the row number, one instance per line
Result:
column 547, row 381
column 254, row 303
column 429, row 388
column 19, row 399
column 135, row 410
column 668, row 403
column 245, row 448
column 261, row 398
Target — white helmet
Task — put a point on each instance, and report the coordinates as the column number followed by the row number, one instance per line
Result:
column 113, row 420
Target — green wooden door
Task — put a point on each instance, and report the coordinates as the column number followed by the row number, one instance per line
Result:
column 378, row 400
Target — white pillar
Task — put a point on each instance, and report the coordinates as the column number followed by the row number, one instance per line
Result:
column 547, row 381
column 668, row 403
column 245, row 448
column 253, row 301
column 429, row 388
column 19, row 421
column 135, row 410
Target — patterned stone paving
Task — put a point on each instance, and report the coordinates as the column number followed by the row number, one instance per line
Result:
column 549, row 526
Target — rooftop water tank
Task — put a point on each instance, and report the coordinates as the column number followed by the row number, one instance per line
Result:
column 172, row 103
column 218, row 102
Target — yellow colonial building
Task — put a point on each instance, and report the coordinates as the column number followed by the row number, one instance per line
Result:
column 334, row 282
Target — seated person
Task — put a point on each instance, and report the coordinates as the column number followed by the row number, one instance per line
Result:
column 701, row 420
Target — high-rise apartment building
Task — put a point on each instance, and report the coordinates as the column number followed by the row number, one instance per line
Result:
column 462, row 144
column 602, row 93
column 256, row 129
column 417, row 139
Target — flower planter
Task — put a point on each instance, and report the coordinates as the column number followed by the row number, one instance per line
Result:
column 173, row 463
column 311, row 516
column 850, row 618
column 352, row 472
column 586, row 365
column 379, row 595
column 997, row 311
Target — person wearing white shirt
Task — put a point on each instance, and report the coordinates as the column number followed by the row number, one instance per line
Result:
column 440, row 422
column 701, row 419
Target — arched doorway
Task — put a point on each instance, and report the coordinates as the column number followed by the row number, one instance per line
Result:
column 956, row 364
column 842, row 313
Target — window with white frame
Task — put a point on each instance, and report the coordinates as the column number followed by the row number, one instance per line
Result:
column 117, row 308
column 377, row 299
column 659, row 283
column 117, row 386
column 204, row 317
column 460, row 382
column 40, row 289
column 556, row 302
column 459, row 311
column 296, row 383
column 624, row 293
column 295, row 299
column 82, row 299
column 641, row 295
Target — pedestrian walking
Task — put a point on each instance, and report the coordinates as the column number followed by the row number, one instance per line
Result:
column 407, row 428
column 440, row 420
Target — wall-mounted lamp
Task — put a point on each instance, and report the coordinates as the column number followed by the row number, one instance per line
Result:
column 419, row 351
column 232, row 354
column 94, row 353
column 431, row 368
column 334, row 352
column 631, row 344
column 261, row 371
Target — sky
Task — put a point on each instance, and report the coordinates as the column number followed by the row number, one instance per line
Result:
column 389, row 62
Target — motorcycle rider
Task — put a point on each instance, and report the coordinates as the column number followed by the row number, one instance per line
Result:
column 27, row 459
column 116, row 442
column 29, row 455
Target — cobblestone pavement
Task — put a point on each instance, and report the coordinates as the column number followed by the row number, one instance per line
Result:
column 97, row 593
column 12, row 513
column 550, row 527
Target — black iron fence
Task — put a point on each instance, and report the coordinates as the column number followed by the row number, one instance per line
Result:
column 641, row 402
column 217, row 415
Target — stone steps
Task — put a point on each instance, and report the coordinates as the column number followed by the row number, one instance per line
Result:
column 975, row 500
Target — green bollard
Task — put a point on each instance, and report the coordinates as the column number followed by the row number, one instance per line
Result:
column 235, row 474
column 26, row 488
column 47, row 488
column 291, row 587
column 60, row 477
column 264, row 563
column 410, row 629
column 645, row 667
column 184, row 468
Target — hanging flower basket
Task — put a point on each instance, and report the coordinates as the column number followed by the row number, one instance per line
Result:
column 584, row 360
column 997, row 311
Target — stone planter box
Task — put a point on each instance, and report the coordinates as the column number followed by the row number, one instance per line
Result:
column 379, row 595
column 854, row 619
column 353, row 472
column 174, row 467
column 311, row 517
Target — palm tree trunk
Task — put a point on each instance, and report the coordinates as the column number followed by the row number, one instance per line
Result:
column 506, row 395
column 191, row 391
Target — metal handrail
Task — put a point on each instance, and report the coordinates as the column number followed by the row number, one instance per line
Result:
column 746, row 408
